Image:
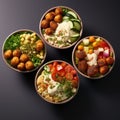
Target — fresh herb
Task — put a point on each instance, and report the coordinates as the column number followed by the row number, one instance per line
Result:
column 36, row 61
column 12, row 42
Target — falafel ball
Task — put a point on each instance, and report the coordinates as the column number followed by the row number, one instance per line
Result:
column 53, row 25
column 8, row 54
column 29, row 65
column 82, row 66
column 92, row 71
column 101, row 62
column 58, row 18
column 104, row 69
column 49, row 16
column 49, row 31
column 45, row 24
column 21, row 66
column 58, row 10
column 16, row 53
column 24, row 57
column 80, row 54
column 109, row 60
column 14, row 61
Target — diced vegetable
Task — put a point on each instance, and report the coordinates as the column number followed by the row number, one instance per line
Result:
column 72, row 14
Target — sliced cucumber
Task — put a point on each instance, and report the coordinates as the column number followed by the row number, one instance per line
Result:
column 75, row 35
column 77, row 25
column 70, row 24
column 65, row 18
column 75, row 20
column 72, row 14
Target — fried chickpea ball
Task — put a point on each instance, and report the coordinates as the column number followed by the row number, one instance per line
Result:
column 82, row 66
column 16, row 53
column 8, row 54
column 21, row 66
column 14, row 61
column 58, row 11
column 109, row 60
column 39, row 45
column 49, row 31
column 24, row 57
column 49, row 16
column 92, row 71
column 104, row 69
column 58, row 18
column 80, row 54
column 44, row 23
column 53, row 25
column 29, row 65
column 101, row 62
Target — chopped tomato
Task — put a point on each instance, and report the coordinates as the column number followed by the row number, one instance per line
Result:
column 75, row 83
column 53, row 70
column 69, row 76
column 61, row 72
column 54, row 76
column 68, row 68
column 50, row 66
column 55, row 64
column 103, row 44
column 63, row 64
column 73, row 72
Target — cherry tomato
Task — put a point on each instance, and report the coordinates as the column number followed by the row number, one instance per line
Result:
column 103, row 44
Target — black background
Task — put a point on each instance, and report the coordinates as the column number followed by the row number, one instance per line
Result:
column 96, row 99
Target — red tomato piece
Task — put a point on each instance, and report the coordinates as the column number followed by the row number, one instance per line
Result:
column 63, row 64
column 54, row 76
column 69, row 76
column 68, row 69
column 103, row 44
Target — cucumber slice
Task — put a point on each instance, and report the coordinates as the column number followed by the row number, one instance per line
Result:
column 75, row 20
column 65, row 18
column 77, row 25
column 72, row 14
column 70, row 24
column 75, row 35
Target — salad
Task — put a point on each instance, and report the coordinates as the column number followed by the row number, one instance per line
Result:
column 57, row 81
column 61, row 27
column 23, row 50
column 93, row 57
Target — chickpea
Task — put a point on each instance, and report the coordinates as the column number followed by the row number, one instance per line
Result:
column 17, row 53
column 53, row 25
column 29, row 65
column 21, row 66
column 8, row 54
column 24, row 58
column 45, row 23
column 14, row 61
column 58, row 11
column 58, row 18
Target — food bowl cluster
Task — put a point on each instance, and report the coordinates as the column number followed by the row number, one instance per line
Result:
column 24, row 51
column 57, row 82
column 61, row 27
column 93, row 57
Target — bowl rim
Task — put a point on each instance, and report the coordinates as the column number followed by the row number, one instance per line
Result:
column 84, row 75
column 39, row 72
column 17, row 31
column 81, row 23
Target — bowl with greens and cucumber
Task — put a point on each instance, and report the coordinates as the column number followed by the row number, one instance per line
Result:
column 57, row 82
column 61, row 27
column 24, row 50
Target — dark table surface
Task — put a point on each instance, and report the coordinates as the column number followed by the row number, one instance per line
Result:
column 96, row 99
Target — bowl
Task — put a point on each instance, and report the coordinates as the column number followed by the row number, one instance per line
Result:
column 61, row 27
column 24, row 51
column 57, row 82
column 93, row 57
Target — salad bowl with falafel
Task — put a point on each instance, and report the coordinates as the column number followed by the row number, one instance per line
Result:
column 24, row 51
column 93, row 57
column 61, row 27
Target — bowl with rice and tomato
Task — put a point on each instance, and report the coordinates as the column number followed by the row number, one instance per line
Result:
column 24, row 50
column 57, row 82
column 61, row 27
column 93, row 57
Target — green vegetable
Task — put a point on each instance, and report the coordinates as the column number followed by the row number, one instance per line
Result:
column 36, row 61
column 12, row 42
